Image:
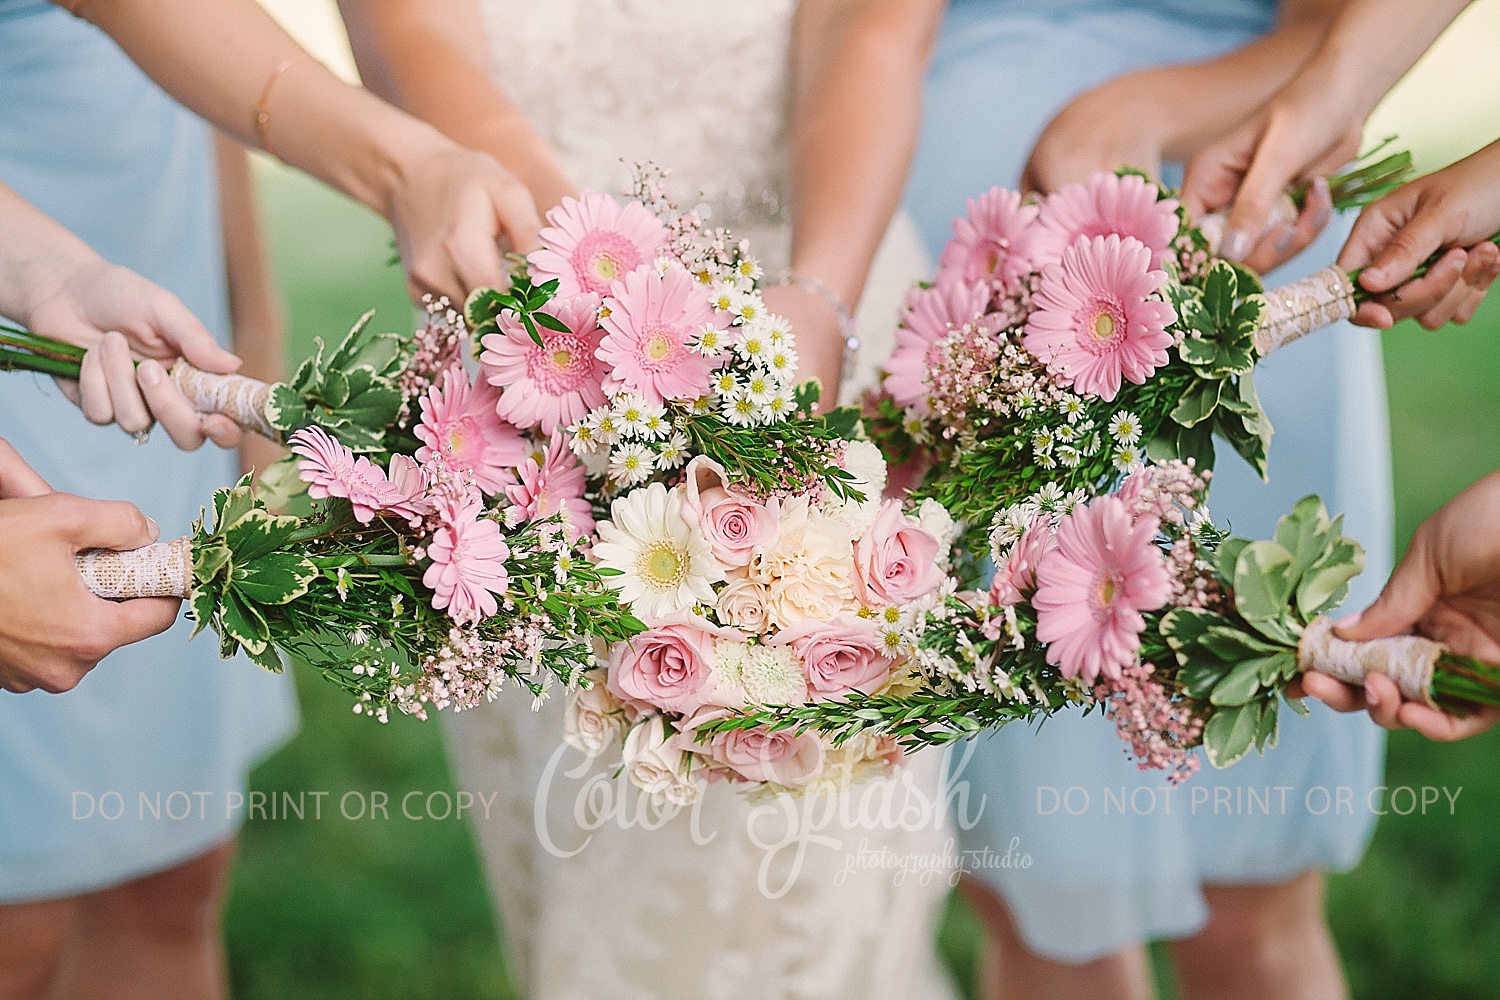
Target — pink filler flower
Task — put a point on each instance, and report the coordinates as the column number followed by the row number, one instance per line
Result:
column 552, row 384
column 594, row 241
column 931, row 313
column 330, row 469
column 459, row 423
column 1092, row 588
column 1095, row 322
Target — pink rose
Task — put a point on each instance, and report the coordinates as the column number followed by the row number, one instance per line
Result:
column 1015, row 577
column 839, row 656
column 735, row 525
column 668, row 667
column 783, row 757
column 896, row 560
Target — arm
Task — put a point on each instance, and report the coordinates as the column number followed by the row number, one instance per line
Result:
column 858, row 68
column 429, row 58
column 1314, row 124
column 54, row 284
column 255, row 316
column 52, row 630
column 1168, row 113
column 234, row 66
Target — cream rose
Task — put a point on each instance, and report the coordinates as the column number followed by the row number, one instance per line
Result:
column 594, row 719
column 746, row 603
column 656, row 767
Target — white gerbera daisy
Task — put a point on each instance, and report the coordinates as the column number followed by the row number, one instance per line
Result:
column 631, row 463
column 663, row 565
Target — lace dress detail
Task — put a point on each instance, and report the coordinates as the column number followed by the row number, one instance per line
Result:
column 622, row 905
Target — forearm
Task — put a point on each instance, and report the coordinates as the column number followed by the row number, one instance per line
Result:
column 255, row 317
column 430, row 58
column 36, row 256
column 1208, row 99
column 858, row 68
column 217, row 60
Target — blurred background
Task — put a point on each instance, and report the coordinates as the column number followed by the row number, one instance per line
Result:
column 339, row 909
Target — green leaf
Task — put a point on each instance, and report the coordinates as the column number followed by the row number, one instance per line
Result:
column 1201, row 349
column 286, row 409
column 1262, row 588
column 1249, row 437
column 382, row 354
column 1197, row 403
column 257, row 533
column 1268, row 727
column 209, row 559
column 204, row 607
column 335, row 391
column 1239, row 685
column 1220, row 288
column 1227, row 556
column 1303, row 532
column 552, row 322
column 806, row 394
column 267, row 658
column 1296, row 705
column 1326, row 583
column 1199, row 677
column 1184, row 627
column 1229, row 733
column 244, row 622
column 1229, row 643
column 374, row 409
column 1278, row 669
column 1196, row 443
column 275, row 578
column 343, row 355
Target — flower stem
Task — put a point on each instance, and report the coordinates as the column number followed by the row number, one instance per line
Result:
column 1462, row 682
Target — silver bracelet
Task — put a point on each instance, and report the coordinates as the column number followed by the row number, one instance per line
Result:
column 845, row 315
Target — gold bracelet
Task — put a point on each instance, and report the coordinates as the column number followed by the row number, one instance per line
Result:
column 263, row 106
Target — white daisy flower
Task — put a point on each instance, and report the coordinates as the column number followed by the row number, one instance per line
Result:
column 1073, row 501
column 702, row 405
column 673, row 451
column 630, row 411
column 724, row 295
column 783, row 361
column 759, row 389
column 663, row 565
column 1045, row 460
column 1125, row 427
column 711, row 340
column 748, row 267
column 740, row 411
column 781, row 405
column 631, row 463
column 1128, row 459
column 1069, row 456
column 1065, row 434
column 725, row 384
column 749, row 307
column 1048, row 497
column 1072, row 408
column 1042, row 441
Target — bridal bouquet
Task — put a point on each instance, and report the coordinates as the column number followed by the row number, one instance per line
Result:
column 1072, row 339
column 747, row 534
column 1136, row 603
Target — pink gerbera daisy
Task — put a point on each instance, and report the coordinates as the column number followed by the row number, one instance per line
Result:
column 652, row 322
column 1124, row 206
column 1095, row 320
column 593, row 241
column 992, row 241
column 459, row 423
column 1093, row 587
column 555, row 483
column 930, row 314
column 468, row 563
column 331, row 470
column 552, row 384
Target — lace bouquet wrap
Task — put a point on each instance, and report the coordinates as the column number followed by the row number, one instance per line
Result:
column 746, row 533
column 1136, row 604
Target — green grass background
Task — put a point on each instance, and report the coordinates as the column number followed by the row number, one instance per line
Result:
column 358, row 910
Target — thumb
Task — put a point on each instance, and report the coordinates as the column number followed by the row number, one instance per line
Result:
column 191, row 339
column 1264, row 183
column 1407, row 596
column 102, row 524
column 17, row 479
column 142, row 618
column 1404, row 252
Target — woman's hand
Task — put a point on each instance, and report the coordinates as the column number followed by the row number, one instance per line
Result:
column 455, row 211
column 1446, row 587
column 819, row 335
column 1114, row 125
column 1457, row 207
column 52, row 629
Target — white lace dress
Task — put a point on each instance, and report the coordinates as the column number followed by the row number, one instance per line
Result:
column 599, row 895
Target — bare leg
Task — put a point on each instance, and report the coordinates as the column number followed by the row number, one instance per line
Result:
column 1010, row 971
column 32, row 936
column 1262, row 941
column 156, row 937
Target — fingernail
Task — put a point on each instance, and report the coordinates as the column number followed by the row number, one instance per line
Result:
column 1371, row 697
column 153, row 528
column 1284, row 240
column 1350, row 620
column 148, row 374
column 1236, row 244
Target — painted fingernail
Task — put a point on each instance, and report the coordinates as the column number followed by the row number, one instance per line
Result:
column 1236, row 244
column 148, row 374
column 1371, row 697
column 153, row 528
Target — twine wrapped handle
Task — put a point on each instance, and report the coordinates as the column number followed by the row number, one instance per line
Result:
column 1409, row 660
column 1293, row 311
column 161, row 570
column 238, row 397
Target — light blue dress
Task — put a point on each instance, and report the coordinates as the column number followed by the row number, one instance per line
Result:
column 1119, row 859
column 139, row 768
